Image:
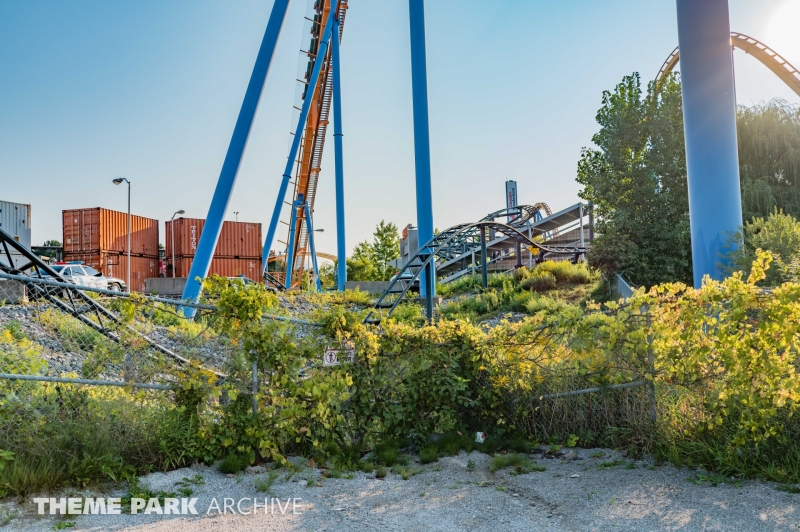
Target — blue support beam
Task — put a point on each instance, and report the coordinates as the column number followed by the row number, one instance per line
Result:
column 422, row 148
column 290, row 244
column 230, row 168
column 312, row 246
column 341, row 247
column 298, row 134
column 709, row 122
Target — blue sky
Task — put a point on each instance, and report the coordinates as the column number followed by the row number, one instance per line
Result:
column 150, row 90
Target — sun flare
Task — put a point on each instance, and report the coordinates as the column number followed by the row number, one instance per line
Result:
column 782, row 30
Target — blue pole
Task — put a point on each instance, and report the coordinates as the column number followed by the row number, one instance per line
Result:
column 422, row 148
column 709, row 124
column 230, row 168
column 313, row 248
column 287, row 173
column 338, row 135
column 290, row 243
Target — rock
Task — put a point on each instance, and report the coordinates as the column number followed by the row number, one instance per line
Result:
column 254, row 470
column 575, row 476
column 570, row 455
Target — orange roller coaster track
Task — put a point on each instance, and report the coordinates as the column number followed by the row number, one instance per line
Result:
column 768, row 57
column 309, row 160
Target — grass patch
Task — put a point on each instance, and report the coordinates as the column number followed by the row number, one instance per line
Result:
column 428, row 455
column 234, row 463
column 264, row 484
column 520, row 463
column 788, row 488
column 381, row 472
column 540, row 282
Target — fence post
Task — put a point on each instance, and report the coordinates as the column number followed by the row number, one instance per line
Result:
column 255, row 387
column 651, row 384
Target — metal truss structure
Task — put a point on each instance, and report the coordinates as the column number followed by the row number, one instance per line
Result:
column 66, row 297
column 456, row 243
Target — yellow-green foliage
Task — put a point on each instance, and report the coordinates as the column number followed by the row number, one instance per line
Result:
column 732, row 345
column 566, row 272
column 539, row 281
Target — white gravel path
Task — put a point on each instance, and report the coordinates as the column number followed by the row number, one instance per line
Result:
column 585, row 492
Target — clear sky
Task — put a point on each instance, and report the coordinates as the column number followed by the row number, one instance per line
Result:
column 150, row 90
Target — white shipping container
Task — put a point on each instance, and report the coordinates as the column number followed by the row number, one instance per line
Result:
column 15, row 219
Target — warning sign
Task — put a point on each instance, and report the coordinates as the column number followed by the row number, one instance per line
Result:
column 335, row 355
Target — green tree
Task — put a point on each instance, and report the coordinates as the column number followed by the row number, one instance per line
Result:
column 361, row 265
column 769, row 158
column 52, row 243
column 636, row 179
column 327, row 275
column 385, row 248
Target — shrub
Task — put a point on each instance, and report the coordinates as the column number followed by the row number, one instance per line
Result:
column 520, row 274
column 566, row 272
column 234, row 463
column 540, row 281
column 410, row 314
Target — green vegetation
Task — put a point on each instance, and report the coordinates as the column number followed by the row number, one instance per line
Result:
column 234, row 463
column 370, row 260
column 520, row 463
column 549, row 286
column 779, row 234
column 264, row 483
column 428, row 387
column 635, row 175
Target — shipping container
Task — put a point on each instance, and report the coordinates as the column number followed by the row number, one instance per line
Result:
column 113, row 264
column 104, row 230
column 236, row 240
column 221, row 266
column 15, row 219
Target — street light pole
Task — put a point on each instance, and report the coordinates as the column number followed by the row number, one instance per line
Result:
column 172, row 237
column 118, row 181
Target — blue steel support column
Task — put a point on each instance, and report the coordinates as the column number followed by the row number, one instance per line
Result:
column 422, row 148
column 290, row 247
column 312, row 246
column 287, row 173
column 230, row 168
column 709, row 123
column 341, row 248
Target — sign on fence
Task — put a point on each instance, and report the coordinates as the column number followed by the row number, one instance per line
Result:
column 335, row 355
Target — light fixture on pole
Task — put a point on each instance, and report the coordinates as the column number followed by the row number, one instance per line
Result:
column 319, row 230
column 237, row 215
column 172, row 237
column 118, row 181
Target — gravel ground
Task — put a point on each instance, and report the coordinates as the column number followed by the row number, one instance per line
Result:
column 585, row 489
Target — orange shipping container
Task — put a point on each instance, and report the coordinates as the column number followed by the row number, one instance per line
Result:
column 98, row 229
column 116, row 265
column 236, row 240
column 223, row 267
